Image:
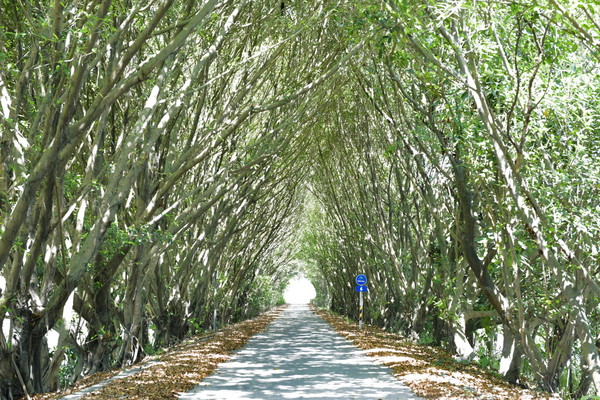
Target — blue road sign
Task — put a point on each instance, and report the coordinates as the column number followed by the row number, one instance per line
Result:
column 362, row 288
column 361, row 279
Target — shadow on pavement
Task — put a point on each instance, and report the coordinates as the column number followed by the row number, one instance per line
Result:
column 300, row 357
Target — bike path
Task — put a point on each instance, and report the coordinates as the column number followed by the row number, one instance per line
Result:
column 300, row 357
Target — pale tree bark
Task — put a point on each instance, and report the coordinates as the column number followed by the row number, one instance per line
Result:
column 531, row 215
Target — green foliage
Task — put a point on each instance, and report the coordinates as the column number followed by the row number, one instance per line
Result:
column 196, row 326
column 426, row 338
column 263, row 296
column 152, row 350
column 67, row 368
column 229, row 154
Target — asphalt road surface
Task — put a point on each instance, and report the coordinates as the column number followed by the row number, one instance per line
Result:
column 300, row 357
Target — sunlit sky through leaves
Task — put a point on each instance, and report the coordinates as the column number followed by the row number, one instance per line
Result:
column 299, row 291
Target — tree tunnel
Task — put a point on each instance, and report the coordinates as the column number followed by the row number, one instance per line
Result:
column 160, row 157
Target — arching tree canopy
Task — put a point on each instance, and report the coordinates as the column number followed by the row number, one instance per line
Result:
column 152, row 151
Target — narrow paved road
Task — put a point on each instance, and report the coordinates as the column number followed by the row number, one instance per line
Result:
column 300, row 357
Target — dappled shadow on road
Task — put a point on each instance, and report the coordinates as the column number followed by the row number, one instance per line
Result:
column 300, row 356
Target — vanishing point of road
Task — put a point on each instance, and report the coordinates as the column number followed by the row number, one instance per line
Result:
column 300, row 357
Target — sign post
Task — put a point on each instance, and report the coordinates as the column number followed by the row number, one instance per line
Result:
column 361, row 281
column 360, row 305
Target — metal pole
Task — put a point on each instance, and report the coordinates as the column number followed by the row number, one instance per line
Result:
column 215, row 302
column 360, row 315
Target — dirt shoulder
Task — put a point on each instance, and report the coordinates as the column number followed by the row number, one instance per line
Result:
column 430, row 372
column 176, row 371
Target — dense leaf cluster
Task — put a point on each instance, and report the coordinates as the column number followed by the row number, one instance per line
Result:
column 150, row 161
column 459, row 171
column 161, row 158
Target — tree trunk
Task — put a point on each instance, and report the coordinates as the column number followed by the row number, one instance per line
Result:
column 511, row 357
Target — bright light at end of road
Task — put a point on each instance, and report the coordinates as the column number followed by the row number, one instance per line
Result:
column 299, row 291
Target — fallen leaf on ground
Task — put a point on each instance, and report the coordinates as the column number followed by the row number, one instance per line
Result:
column 177, row 371
column 430, row 372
